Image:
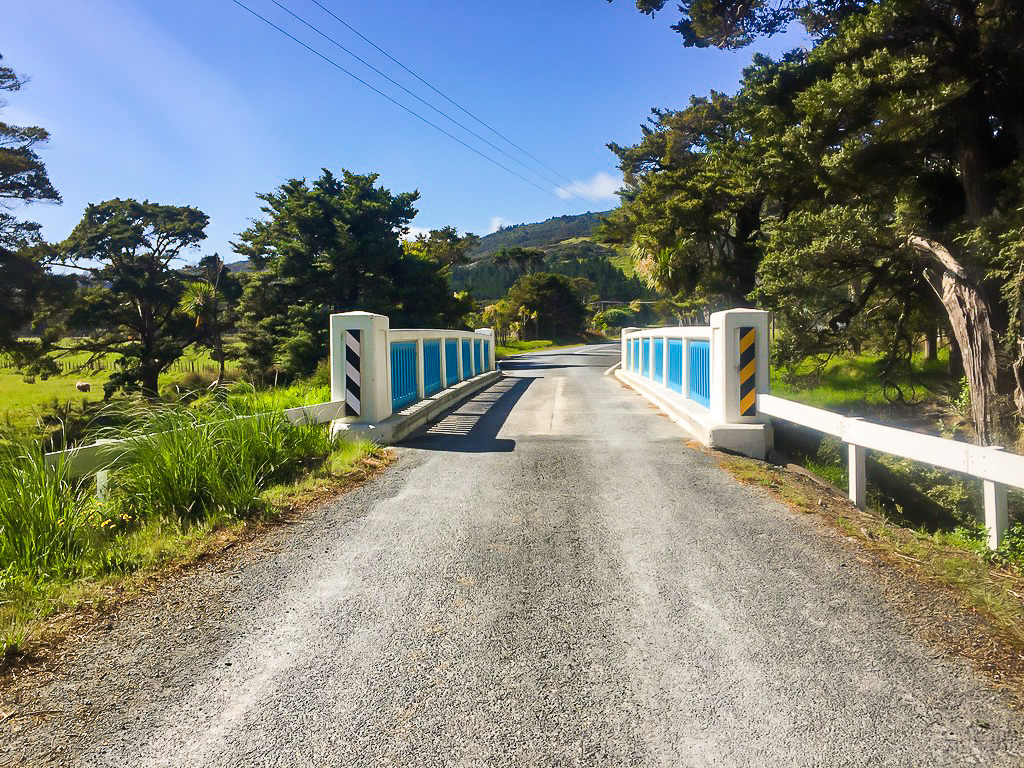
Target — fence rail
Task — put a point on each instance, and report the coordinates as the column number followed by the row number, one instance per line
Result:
column 995, row 467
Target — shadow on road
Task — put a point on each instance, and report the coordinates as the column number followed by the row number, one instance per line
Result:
column 474, row 426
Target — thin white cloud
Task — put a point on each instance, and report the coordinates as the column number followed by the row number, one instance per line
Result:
column 497, row 223
column 600, row 187
column 414, row 231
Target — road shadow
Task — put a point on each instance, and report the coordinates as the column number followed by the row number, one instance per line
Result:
column 552, row 362
column 473, row 427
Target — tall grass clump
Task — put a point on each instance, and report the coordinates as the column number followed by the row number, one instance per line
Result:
column 46, row 517
column 189, row 465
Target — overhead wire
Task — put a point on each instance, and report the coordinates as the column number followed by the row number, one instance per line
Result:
column 397, row 103
column 451, row 101
column 423, row 101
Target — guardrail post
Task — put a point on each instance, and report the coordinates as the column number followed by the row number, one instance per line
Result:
column 739, row 364
column 858, row 475
column 996, row 517
column 360, row 365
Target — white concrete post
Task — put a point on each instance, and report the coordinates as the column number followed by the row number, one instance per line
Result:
column 421, row 371
column 488, row 359
column 458, row 356
column 858, row 475
column 361, row 365
column 996, row 517
column 625, row 346
column 444, row 363
column 664, row 362
column 725, row 362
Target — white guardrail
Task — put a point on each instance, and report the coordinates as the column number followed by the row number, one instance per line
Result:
column 995, row 467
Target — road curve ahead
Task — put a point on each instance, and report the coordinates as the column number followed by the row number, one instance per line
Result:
column 551, row 576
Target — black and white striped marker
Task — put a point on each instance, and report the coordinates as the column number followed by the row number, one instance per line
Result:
column 353, row 350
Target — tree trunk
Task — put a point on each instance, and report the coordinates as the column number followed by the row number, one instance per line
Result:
column 970, row 317
column 931, row 342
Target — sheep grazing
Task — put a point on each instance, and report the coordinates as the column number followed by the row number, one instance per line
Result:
column 83, row 386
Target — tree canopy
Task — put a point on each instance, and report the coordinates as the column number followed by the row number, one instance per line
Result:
column 334, row 245
column 862, row 189
column 23, row 179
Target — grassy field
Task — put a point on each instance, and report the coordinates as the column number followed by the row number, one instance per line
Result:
column 22, row 402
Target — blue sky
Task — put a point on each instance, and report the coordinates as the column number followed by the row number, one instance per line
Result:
column 196, row 102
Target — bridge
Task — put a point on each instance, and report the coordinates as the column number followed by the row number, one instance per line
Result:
column 554, row 573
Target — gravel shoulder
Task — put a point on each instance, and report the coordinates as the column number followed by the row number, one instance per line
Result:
column 549, row 576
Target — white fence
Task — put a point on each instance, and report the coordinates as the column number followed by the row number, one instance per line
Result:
column 996, row 468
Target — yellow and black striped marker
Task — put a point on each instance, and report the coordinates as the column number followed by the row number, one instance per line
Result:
column 748, row 372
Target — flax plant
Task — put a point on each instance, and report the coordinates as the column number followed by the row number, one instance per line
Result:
column 45, row 516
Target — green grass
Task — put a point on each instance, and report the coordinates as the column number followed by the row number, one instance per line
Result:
column 843, row 382
column 193, row 470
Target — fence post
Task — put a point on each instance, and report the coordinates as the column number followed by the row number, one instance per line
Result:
column 858, row 474
column 996, row 517
column 360, row 365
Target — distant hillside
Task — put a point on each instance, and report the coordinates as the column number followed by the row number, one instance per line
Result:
column 239, row 266
column 538, row 235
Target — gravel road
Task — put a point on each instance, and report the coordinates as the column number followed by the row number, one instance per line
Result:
column 550, row 576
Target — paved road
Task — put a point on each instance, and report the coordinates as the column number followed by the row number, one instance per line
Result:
column 551, row 577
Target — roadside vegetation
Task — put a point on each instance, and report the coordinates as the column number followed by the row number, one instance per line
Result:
column 222, row 461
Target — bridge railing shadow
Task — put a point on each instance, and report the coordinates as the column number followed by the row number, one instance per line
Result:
column 473, row 427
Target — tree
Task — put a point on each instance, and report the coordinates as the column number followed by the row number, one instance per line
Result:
column 333, row 246
column 444, row 247
column 130, row 304
column 552, row 302
column 891, row 155
column 523, row 261
column 691, row 203
column 23, row 179
column 205, row 300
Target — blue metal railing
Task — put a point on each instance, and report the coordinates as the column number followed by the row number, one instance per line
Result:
column 477, row 350
column 451, row 361
column 487, row 353
column 646, row 346
column 700, row 372
column 659, row 360
column 467, row 359
column 431, row 367
column 403, row 373
column 675, row 365
column 636, row 355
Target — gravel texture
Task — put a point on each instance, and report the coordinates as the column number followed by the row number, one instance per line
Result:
column 550, row 576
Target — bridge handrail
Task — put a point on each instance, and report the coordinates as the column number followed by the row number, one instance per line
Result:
column 701, row 332
column 993, row 465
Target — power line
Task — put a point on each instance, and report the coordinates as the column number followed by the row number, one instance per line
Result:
column 455, row 103
column 423, row 101
column 358, row 79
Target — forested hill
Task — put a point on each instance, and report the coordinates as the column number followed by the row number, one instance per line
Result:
column 539, row 235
